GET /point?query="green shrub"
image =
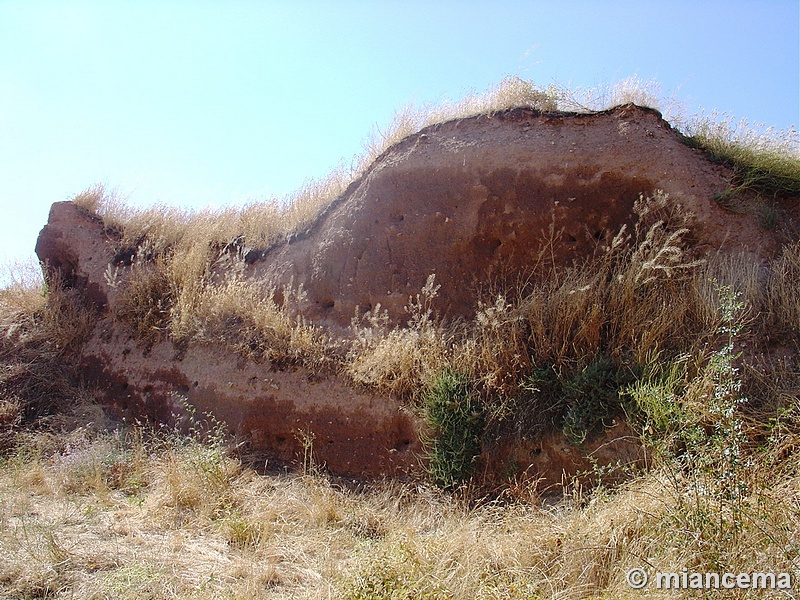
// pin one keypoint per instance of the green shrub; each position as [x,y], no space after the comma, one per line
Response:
[578,402]
[654,400]
[456,421]
[592,396]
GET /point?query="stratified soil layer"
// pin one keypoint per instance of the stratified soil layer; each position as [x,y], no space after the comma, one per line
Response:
[478,202]
[474,201]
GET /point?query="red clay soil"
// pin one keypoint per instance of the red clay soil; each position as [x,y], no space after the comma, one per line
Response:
[351,433]
[471,201]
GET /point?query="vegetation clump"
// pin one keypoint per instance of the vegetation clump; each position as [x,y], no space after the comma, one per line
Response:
[455,418]
[766,161]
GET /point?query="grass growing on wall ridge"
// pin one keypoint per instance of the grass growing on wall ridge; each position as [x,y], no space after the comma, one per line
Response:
[558,353]
[532,355]
[765,159]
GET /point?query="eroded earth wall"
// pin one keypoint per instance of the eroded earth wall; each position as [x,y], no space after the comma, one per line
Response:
[475,201]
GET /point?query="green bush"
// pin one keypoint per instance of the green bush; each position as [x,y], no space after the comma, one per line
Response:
[578,402]
[655,403]
[592,396]
[456,421]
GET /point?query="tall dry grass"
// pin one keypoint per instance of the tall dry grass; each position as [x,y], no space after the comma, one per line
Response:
[783,295]
[764,159]
[40,333]
[138,514]
[400,361]
[247,318]
[642,298]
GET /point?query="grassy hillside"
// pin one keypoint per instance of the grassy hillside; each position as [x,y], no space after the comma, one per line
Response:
[702,357]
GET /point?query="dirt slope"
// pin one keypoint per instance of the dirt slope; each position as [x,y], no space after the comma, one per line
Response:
[473,200]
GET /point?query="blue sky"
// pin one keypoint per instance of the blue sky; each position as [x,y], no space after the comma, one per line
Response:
[213,103]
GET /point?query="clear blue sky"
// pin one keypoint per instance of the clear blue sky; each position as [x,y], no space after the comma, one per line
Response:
[211,103]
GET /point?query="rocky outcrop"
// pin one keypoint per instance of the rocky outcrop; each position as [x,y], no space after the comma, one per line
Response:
[76,247]
[476,202]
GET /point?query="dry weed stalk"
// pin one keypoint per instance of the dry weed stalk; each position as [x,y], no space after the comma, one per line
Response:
[783,292]
[402,360]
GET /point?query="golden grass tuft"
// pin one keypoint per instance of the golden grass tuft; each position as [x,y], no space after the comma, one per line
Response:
[400,361]
[247,318]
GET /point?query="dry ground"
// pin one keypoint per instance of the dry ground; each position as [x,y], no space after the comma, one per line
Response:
[88,513]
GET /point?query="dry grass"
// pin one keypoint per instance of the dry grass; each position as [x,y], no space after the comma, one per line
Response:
[783,295]
[39,334]
[264,223]
[764,159]
[96,513]
[642,299]
[248,319]
[134,514]
[400,361]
